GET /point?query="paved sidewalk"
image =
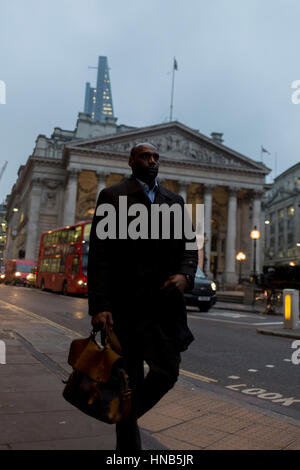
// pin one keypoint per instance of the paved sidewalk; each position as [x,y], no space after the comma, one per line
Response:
[280,331]
[34,414]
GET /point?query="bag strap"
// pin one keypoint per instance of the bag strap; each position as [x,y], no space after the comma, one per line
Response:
[104,335]
[108,336]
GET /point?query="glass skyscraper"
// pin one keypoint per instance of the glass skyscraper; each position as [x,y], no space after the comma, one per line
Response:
[98,101]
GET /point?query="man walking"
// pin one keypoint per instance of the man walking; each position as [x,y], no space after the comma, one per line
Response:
[136,286]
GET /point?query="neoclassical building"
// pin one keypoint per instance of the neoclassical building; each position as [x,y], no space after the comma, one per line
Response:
[60,182]
[282,208]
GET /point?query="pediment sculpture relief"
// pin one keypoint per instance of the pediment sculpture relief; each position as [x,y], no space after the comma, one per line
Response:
[180,148]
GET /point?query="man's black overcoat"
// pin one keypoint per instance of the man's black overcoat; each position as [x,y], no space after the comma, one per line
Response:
[125,277]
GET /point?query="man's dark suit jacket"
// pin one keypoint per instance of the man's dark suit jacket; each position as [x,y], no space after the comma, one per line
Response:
[126,276]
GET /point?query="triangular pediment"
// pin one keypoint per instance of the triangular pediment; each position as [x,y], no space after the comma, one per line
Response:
[279,194]
[176,142]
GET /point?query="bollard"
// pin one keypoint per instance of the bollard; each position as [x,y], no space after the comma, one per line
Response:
[291,308]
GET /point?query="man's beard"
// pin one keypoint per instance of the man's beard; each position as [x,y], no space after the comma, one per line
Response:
[146,174]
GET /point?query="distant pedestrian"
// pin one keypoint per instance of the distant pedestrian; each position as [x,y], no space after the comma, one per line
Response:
[271,294]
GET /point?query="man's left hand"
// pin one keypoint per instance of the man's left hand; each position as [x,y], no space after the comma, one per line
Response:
[177,281]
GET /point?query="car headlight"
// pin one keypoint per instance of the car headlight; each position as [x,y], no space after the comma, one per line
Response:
[2,276]
[17,274]
[29,276]
[213,286]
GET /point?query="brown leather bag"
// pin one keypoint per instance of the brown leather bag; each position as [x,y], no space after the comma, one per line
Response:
[98,385]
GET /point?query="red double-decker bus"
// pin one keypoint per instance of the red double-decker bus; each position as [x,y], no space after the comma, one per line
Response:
[63,258]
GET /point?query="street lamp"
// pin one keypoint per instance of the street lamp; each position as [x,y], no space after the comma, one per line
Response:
[255,235]
[240,257]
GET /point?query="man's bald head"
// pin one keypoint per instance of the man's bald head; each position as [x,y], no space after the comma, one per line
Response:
[137,147]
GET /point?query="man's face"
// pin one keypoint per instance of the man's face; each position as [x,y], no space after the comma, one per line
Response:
[145,163]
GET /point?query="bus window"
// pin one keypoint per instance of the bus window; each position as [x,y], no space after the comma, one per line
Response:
[64,236]
[87,231]
[45,265]
[45,241]
[77,235]
[71,235]
[55,238]
[62,264]
[75,265]
[55,265]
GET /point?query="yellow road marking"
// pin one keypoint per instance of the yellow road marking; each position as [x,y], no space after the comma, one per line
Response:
[196,376]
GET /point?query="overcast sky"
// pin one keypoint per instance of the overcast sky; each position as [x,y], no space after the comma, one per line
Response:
[236,63]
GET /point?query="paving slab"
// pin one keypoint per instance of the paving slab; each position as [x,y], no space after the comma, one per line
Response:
[44,383]
[33,401]
[47,426]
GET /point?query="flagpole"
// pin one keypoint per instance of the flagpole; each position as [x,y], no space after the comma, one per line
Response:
[172,93]
[261,154]
[275,164]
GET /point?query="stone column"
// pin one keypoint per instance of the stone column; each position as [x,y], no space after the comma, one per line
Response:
[32,242]
[102,177]
[276,234]
[70,197]
[183,189]
[208,189]
[230,274]
[246,224]
[263,233]
[285,232]
[256,221]
[12,225]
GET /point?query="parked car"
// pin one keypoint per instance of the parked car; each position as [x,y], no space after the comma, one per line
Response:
[30,280]
[16,271]
[203,295]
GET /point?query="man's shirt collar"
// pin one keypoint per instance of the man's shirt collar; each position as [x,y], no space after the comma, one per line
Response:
[146,186]
[150,192]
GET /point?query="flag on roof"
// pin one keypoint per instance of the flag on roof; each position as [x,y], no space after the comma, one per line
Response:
[264,150]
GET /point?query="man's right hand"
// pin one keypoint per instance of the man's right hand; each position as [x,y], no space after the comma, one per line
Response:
[101,319]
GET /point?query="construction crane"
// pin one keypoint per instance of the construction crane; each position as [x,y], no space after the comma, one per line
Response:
[3,169]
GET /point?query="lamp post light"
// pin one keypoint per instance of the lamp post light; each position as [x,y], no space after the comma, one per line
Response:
[255,235]
[240,257]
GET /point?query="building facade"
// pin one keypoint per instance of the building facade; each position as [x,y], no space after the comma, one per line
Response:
[98,101]
[2,232]
[282,207]
[60,182]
